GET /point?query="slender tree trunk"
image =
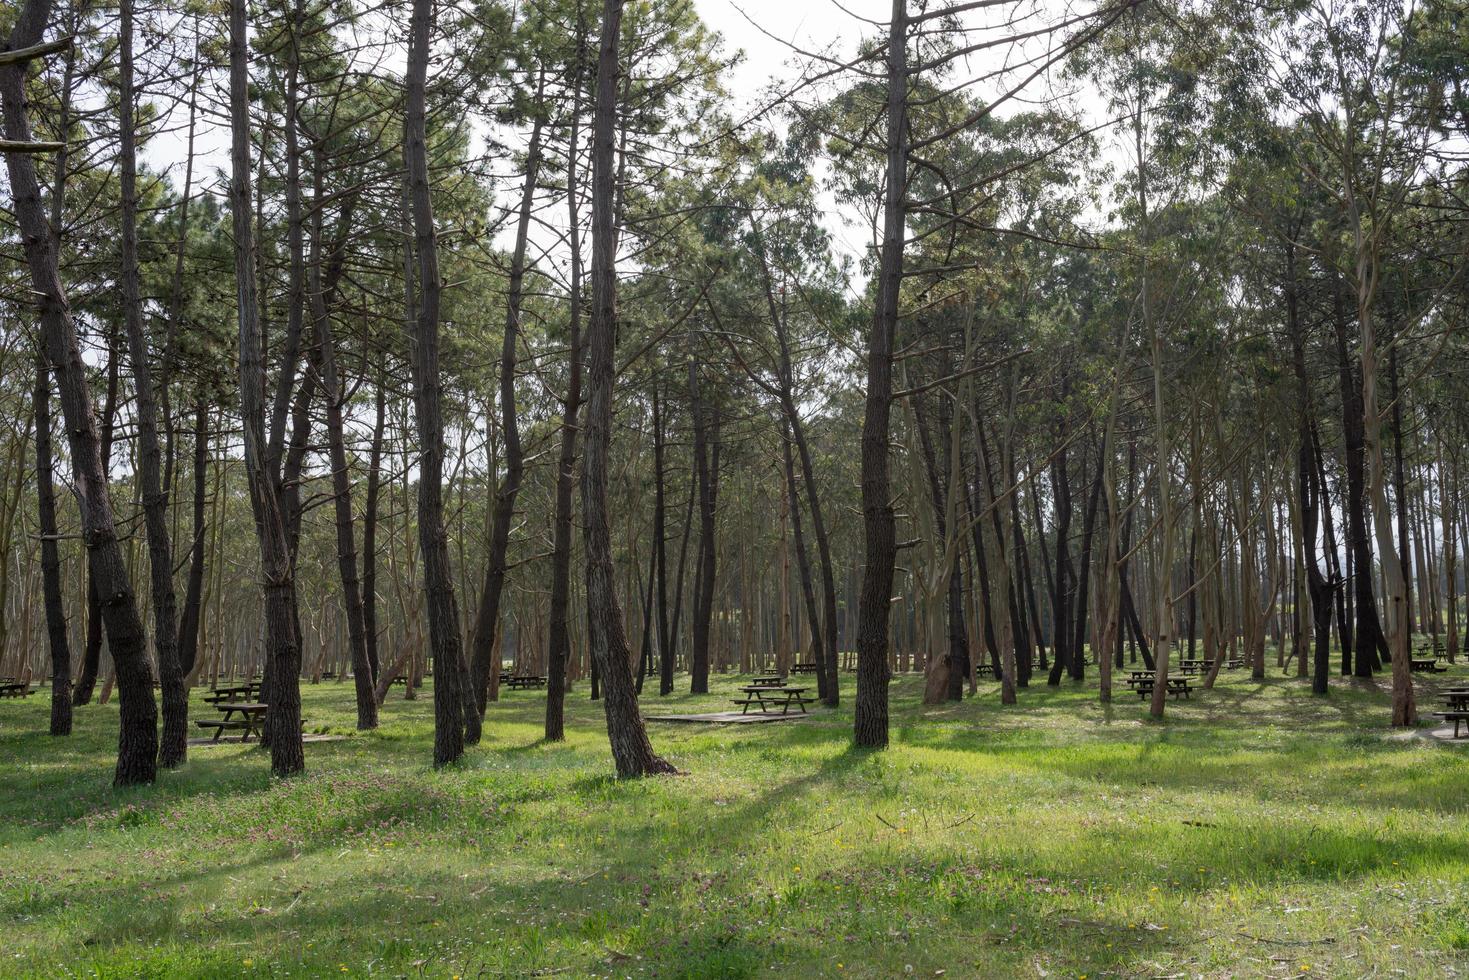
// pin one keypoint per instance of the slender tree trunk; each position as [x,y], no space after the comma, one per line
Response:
[632,753]
[323,287]
[704,590]
[870,719]
[369,531]
[484,674]
[58,644]
[558,657]
[443,611]
[191,614]
[283,650]
[173,747]
[1368,644]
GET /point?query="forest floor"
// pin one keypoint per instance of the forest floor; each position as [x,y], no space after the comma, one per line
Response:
[1258,832]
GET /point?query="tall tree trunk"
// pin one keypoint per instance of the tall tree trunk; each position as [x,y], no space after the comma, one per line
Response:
[660,548]
[138,715]
[59,646]
[870,719]
[708,491]
[484,674]
[173,748]
[1368,644]
[632,753]
[283,649]
[92,648]
[369,531]
[324,356]
[558,656]
[438,580]
[826,652]
[1312,494]
[191,615]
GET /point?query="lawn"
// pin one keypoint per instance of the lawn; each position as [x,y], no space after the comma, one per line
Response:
[1258,832]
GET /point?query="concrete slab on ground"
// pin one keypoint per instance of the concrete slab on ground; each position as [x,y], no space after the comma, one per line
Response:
[728,718]
[195,743]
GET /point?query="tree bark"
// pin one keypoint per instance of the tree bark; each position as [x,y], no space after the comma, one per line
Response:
[870,719]
[484,674]
[558,656]
[283,650]
[438,581]
[58,644]
[632,753]
[173,748]
[138,731]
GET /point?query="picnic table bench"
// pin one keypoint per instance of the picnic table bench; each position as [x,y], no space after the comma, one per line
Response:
[1177,686]
[985,670]
[1458,713]
[765,696]
[252,715]
[15,689]
[251,719]
[521,682]
[803,668]
[770,680]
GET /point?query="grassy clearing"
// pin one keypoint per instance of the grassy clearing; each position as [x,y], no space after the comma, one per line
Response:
[1259,832]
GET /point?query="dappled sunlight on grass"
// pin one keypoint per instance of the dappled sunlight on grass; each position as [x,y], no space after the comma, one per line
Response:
[1062,837]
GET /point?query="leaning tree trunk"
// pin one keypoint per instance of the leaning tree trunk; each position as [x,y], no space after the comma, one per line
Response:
[438,580]
[282,650]
[870,720]
[333,394]
[631,751]
[138,714]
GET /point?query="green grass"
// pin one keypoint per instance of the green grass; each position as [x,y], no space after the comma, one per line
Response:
[1258,832]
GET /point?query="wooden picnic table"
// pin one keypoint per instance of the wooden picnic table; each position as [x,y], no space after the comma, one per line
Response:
[521,682]
[765,697]
[252,716]
[803,668]
[1456,705]
[10,688]
[1177,686]
[233,692]
[771,680]
[1428,665]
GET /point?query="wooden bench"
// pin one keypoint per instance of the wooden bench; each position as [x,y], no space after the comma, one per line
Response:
[1177,686]
[1459,718]
[803,668]
[769,697]
[15,689]
[1425,665]
[219,725]
[763,703]
[525,682]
